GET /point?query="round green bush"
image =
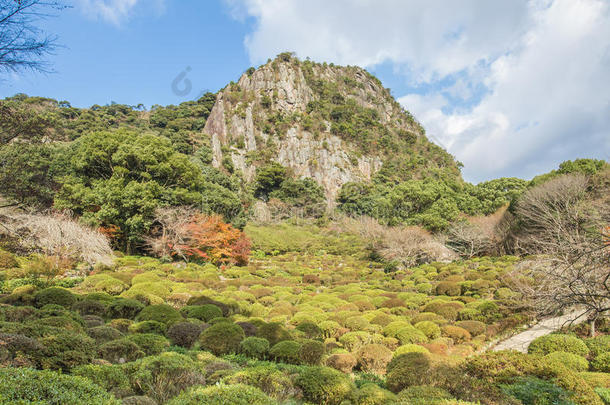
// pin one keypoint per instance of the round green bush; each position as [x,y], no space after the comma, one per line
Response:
[150,343]
[286,351]
[205,312]
[311,330]
[475,328]
[410,348]
[558,342]
[89,307]
[103,334]
[254,347]
[148,327]
[343,362]
[184,334]
[311,352]
[120,351]
[407,370]
[54,295]
[124,308]
[274,332]
[448,288]
[222,338]
[570,360]
[373,358]
[110,377]
[238,394]
[411,335]
[161,313]
[423,394]
[323,385]
[372,394]
[598,345]
[26,386]
[429,328]
[66,350]
[268,379]
[602,363]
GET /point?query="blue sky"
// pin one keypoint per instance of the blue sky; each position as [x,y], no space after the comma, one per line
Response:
[510,87]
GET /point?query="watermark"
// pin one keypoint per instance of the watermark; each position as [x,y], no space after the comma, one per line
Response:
[182,86]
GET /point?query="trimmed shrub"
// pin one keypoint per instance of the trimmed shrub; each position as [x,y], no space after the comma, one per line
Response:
[54,295]
[372,394]
[150,343]
[254,347]
[148,327]
[161,313]
[595,379]
[268,379]
[411,335]
[311,330]
[205,312]
[184,334]
[249,328]
[424,395]
[475,328]
[429,328]
[311,352]
[27,386]
[124,308]
[120,351]
[601,363]
[323,385]
[238,394]
[89,307]
[501,365]
[163,376]
[410,348]
[373,358]
[407,370]
[598,345]
[448,288]
[7,260]
[222,338]
[343,362]
[112,378]
[558,342]
[66,350]
[534,391]
[23,348]
[286,351]
[457,334]
[570,360]
[103,334]
[274,332]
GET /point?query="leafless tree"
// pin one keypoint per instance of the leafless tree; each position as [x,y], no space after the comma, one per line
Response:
[22,44]
[170,231]
[557,221]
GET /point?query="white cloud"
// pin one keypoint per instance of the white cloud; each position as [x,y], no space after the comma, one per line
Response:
[533,77]
[116,11]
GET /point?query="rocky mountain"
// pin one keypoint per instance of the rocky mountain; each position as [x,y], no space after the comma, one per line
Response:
[331,123]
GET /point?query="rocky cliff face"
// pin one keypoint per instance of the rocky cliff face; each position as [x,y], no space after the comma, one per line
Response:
[333,124]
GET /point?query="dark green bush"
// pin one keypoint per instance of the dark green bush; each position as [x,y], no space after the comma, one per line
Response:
[89,307]
[120,351]
[286,351]
[237,394]
[557,342]
[149,343]
[160,313]
[103,334]
[254,347]
[323,385]
[475,328]
[204,312]
[311,352]
[249,328]
[125,308]
[274,332]
[184,334]
[112,378]
[158,328]
[534,391]
[269,379]
[423,395]
[372,394]
[66,350]
[54,295]
[15,346]
[408,369]
[222,338]
[25,386]
[311,330]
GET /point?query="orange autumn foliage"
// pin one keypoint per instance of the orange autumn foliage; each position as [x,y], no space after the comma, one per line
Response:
[211,239]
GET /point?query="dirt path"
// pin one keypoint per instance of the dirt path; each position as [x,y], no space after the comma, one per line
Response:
[521,341]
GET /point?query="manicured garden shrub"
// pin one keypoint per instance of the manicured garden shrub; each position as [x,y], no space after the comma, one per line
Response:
[184,334]
[596,379]
[54,295]
[268,379]
[372,394]
[120,351]
[533,391]
[238,394]
[601,363]
[407,370]
[103,334]
[475,328]
[254,347]
[64,323]
[286,351]
[204,312]
[311,330]
[430,329]
[66,350]
[161,313]
[311,352]
[444,309]
[7,260]
[274,332]
[343,362]
[148,327]
[411,335]
[457,334]
[27,386]
[410,348]
[163,376]
[125,308]
[112,378]
[448,288]
[222,338]
[249,328]
[501,365]
[373,358]
[423,395]
[323,385]
[570,360]
[557,342]
[150,343]
[121,324]
[19,347]
[89,307]
[598,345]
